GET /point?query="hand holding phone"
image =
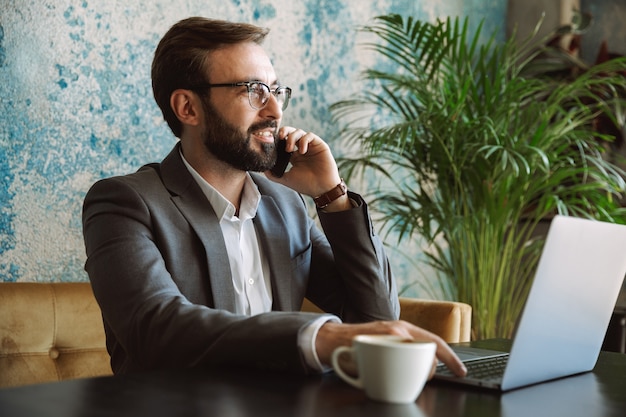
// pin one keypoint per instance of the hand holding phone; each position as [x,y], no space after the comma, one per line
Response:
[282,159]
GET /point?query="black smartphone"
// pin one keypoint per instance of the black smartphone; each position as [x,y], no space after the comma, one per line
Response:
[282,160]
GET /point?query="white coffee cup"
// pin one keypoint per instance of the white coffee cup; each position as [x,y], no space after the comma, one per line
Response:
[390,368]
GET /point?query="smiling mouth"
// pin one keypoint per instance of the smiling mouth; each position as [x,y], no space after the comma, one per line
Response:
[265,131]
[265,136]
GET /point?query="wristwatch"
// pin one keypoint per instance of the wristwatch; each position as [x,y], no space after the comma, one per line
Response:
[325,199]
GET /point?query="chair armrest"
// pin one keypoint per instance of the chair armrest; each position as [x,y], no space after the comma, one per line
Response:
[451,320]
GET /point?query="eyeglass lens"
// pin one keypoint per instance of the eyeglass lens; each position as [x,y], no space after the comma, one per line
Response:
[259,94]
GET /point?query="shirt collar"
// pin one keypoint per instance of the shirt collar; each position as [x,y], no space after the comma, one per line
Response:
[223,208]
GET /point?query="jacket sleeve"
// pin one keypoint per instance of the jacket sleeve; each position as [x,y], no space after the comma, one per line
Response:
[366,289]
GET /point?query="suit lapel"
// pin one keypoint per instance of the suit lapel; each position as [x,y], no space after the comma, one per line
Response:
[269,223]
[271,228]
[192,203]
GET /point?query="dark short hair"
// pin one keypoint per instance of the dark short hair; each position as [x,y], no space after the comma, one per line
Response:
[182,56]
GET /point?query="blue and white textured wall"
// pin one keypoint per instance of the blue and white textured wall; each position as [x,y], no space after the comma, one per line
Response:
[76,103]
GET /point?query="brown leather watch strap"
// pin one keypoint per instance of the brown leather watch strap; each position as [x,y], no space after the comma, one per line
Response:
[330,196]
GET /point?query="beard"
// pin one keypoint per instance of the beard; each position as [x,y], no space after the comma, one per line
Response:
[230,145]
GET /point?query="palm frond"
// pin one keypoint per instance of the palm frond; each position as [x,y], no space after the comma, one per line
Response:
[472,149]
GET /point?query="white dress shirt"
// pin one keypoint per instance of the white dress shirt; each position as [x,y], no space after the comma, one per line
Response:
[253,287]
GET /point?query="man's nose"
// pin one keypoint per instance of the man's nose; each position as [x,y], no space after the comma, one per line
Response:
[273,107]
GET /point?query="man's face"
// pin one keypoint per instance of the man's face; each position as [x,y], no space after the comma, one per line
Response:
[233,131]
[233,145]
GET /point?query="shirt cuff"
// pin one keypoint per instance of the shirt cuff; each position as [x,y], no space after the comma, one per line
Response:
[306,342]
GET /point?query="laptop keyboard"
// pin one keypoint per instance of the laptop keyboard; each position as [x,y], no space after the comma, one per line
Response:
[487,368]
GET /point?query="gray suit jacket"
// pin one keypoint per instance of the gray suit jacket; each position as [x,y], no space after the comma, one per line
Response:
[159,269]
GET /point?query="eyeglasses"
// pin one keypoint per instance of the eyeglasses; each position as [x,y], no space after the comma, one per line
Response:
[258,92]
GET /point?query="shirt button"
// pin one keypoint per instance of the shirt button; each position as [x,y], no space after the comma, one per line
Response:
[251,281]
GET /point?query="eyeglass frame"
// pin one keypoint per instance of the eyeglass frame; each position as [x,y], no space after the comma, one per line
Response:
[247,84]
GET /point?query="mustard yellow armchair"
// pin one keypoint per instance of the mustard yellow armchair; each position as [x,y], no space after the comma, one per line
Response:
[53,331]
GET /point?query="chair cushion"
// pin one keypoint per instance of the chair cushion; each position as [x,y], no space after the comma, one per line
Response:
[50,332]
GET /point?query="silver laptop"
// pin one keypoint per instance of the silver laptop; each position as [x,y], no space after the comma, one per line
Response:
[568,309]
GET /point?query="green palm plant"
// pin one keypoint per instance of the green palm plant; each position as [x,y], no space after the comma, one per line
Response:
[470,155]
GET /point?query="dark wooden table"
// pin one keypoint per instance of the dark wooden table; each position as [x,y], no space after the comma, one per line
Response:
[197,393]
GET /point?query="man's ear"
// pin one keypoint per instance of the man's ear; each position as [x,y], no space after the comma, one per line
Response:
[186,107]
